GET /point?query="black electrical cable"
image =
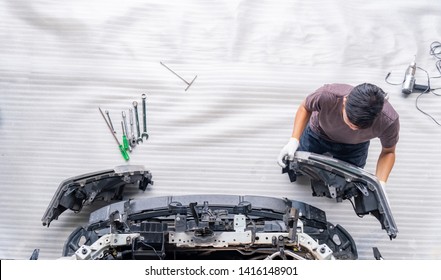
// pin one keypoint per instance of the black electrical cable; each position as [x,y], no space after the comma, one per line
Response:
[435,50]
[355,209]
[253,231]
[394,84]
[426,91]
[145,244]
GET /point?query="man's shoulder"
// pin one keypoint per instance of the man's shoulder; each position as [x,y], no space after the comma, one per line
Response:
[388,125]
[389,112]
[327,96]
[336,89]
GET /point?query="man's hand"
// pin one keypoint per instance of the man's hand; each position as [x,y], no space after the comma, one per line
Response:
[288,151]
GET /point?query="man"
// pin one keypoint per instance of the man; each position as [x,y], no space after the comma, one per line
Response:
[340,119]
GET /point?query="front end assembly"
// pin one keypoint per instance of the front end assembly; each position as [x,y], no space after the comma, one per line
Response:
[105,185]
[209,227]
[339,180]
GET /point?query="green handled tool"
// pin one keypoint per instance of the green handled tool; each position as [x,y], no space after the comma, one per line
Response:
[125,140]
[121,147]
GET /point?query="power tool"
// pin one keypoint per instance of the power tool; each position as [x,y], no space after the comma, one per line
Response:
[409,84]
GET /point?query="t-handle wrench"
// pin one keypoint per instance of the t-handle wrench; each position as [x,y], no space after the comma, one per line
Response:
[188,83]
[144,115]
[135,106]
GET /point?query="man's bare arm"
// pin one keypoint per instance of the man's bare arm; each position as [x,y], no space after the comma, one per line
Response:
[385,163]
[300,121]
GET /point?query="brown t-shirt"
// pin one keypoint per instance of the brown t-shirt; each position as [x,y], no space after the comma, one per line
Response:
[326,105]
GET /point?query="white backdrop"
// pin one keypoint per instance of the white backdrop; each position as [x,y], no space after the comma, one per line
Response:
[254,60]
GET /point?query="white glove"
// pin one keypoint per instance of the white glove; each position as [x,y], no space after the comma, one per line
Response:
[288,151]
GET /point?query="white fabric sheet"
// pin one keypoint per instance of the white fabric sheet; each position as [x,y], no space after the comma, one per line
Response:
[254,60]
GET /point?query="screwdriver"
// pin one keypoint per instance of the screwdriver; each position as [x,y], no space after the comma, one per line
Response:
[121,147]
[125,140]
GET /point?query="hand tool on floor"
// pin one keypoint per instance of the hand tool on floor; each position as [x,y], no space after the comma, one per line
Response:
[121,147]
[110,121]
[144,116]
[139,138]
[188,83]
[125,127]
[132,129]
[409,84]
[125,140]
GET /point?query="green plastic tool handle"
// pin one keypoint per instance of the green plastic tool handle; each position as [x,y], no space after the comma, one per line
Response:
[126,143]
[124,152]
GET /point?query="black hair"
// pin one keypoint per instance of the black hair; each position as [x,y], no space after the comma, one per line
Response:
[363,104]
